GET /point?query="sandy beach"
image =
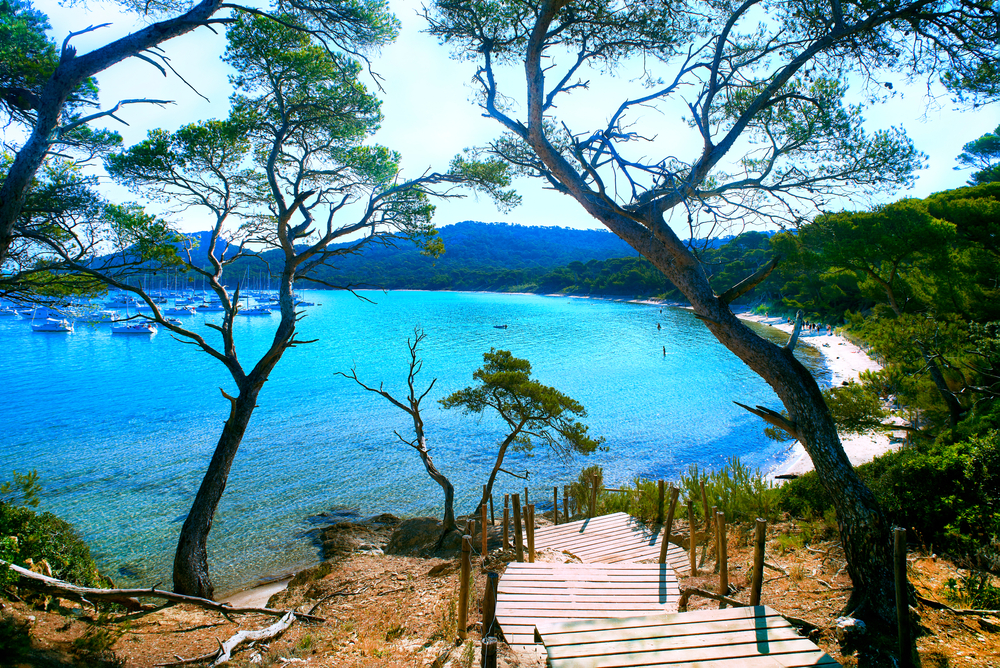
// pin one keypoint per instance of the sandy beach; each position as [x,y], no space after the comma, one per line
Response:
[846,362]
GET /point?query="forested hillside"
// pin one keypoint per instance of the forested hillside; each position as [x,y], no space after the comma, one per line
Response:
[477,256]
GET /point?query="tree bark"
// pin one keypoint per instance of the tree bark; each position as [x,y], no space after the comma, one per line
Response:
[864,528]
[67,77]
[191,575]
[448,522]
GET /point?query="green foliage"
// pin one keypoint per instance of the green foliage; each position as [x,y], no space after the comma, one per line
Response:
[581,490]
[856,408]
[25,534]
[535,413]
[975,590]
[982,154]
[22,491]
[948,492]
[741,493]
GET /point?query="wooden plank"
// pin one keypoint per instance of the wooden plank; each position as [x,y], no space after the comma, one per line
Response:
[753,637]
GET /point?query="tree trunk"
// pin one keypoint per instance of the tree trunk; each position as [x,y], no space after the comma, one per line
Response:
[448,522]
[191,559]
[864,529]
[496,469]
[68,75]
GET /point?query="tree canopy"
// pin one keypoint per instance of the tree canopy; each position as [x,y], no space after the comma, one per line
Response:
[983,155]
[533,413]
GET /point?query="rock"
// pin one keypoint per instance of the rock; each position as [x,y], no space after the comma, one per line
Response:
[418,537]
[849,632]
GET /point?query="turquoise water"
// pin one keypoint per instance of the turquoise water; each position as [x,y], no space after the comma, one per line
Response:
[121,428]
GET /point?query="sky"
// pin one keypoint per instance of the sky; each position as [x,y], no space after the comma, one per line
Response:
[431,115]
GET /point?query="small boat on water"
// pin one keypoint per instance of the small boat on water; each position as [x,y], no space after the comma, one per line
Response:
[499,326]
[100,315]
[209,307]
[255,310]
[133,328]
[180,310]
[53,325]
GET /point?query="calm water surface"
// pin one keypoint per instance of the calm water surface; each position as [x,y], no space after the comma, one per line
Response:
[121,428]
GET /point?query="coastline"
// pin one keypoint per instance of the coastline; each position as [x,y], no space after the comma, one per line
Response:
[845,362]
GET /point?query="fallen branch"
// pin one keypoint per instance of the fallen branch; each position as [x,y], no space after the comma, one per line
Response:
[224,653]
[775,568]
[129,597]
[687,593]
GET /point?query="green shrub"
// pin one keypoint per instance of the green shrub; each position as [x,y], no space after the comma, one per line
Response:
[976,590]
[26,534]
[581,489]
[948,492]
[741,493]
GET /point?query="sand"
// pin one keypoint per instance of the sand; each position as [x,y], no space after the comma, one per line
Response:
[846,362]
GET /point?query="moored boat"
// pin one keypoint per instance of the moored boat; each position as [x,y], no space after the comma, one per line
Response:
[53,325]
[133,328]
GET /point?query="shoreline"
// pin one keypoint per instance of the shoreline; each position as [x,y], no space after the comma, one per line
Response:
[845,361]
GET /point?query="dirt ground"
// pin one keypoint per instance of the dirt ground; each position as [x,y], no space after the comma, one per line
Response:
[383,610]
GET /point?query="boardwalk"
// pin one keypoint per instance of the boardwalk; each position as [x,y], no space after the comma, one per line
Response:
[752,637]
[533,593]
[609,539]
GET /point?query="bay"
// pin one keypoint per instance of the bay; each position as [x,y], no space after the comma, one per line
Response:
[121,428]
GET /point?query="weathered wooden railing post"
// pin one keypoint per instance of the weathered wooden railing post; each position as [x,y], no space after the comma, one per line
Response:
[531,533]
[518,537]
[692,539]
[485,525]
[525,495]
[555,505]
[709,519]
[902,596]
[463,588]
[470,529]
[493,517]
[757,577]
[489,657]
[669,525]
[713,530]
[593,497]
[566,503]
[506,521]
[723,552]
[661,486]
[490,604]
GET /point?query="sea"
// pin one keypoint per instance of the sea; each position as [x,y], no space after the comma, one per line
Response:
[121,428]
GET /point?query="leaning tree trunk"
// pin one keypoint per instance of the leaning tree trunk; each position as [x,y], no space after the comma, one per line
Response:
[488,492]
[448,522]
[864,529]
[191,559]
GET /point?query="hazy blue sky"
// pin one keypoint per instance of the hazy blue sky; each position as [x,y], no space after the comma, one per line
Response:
[430,114]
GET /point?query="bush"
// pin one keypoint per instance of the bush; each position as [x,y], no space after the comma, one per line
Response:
[741,493]
[26,534]
[948,492]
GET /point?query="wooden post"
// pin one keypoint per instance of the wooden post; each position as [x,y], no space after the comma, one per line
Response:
[518,538]
[470,529]
[525,495]
[714,531]
[709,519]
[661,488]
[692,539]
[506,523]
[902,595]
[720,525]
[490,604]
[757,577]
[463,588]
[530,508]
[489,656]
[593,497]
[566,503]
[555,505]
[493,518]
[669,525]
[485,537]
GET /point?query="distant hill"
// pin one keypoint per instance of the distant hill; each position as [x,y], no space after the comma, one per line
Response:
[478,256]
